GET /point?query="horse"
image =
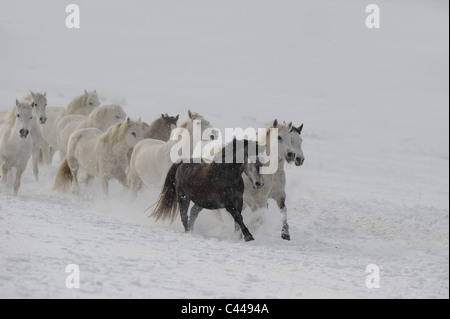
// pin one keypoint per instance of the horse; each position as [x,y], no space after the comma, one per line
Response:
[150,160]
[275,184]
[15,144]
[209,186]
[100,154]
[39,103]
[101,118]
[160,129]
[83,104]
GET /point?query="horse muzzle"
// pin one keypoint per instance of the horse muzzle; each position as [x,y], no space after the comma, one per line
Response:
[290,157]
[299,161]
[24,133]
[43,120]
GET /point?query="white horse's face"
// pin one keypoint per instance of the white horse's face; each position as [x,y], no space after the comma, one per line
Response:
[134,134]
[115,114]
[297,145]
[208,132]
[92,99]
[39,105]
[119,114]
[285,148]
[24,116]
[200,124]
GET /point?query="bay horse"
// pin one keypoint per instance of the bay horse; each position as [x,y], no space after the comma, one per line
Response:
[210,186]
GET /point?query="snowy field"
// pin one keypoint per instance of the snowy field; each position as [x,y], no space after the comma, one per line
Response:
[374,188]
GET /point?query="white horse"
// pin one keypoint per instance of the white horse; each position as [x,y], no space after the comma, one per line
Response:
[289,150]
[297,142]
[150,161]
[103,155]
[101,118]
[15,143]
[83,105]
[39,103]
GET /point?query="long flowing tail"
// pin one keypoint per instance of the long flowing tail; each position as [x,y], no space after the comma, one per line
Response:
[63,178]
[167,207]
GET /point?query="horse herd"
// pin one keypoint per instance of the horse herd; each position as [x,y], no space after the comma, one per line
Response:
[106,144]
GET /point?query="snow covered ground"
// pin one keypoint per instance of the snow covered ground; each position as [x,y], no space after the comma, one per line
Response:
[374,188]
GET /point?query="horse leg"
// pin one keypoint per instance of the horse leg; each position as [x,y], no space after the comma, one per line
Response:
[19,171]
[136,185]
[237,216]
[45,148]
[51,153]
[73,165]
[104,184]
[5,170]
[184,208]
[194,214]
[285,230]
[36,152]
[123,179]
[87,178]
[238,231]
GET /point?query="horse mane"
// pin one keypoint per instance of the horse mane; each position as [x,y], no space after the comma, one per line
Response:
[116,133]
[156,124]
[194,116]
[101,111]
[280,125]
[76,103]
[10,117]
[232,147]
[37,97]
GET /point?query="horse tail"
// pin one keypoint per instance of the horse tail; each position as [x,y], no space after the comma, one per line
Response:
[167,205]
[63,178]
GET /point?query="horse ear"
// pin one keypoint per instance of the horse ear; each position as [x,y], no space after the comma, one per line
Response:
[86,92]
[45,94]
[275,123]
[177,118]
[32,94]
[290,127]
[128,120]
[300,128]
[190,114]
[162,116]
[17,103]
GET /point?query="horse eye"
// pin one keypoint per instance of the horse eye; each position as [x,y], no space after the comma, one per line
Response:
[31,118]
[280,138]
[134,134]
[18,115]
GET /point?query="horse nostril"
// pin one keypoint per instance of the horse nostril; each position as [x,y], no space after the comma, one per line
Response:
[212,137]
[258,184]
[23,133]
[291,155]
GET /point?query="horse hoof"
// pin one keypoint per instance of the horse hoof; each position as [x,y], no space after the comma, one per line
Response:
[286,236]
[249,238]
